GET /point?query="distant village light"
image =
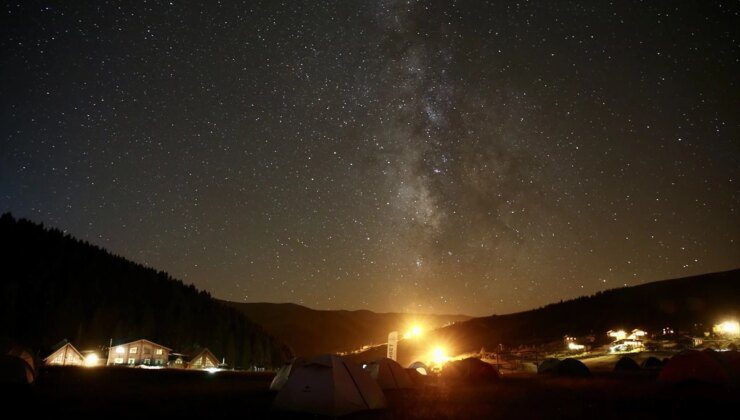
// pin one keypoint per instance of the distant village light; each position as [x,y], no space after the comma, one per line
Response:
[617,335]
[727,328]
[637,334]
[575,346]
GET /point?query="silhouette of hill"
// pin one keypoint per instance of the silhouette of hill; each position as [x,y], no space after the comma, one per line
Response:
[690,304]
[55,286]
[310,332]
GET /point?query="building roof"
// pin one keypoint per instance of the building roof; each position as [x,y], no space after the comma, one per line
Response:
[142,339]
[67,345]
[205,352]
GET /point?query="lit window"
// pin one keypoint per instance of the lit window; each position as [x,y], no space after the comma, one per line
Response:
[132,350]
[158,351]
[147,361]
[131,361]
[120,350]
[119,360]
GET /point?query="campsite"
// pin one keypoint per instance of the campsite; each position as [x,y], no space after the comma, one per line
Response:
[549,362]
[130,392]
[370,209]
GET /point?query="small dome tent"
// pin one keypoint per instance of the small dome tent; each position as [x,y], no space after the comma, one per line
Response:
[329,385]
[652,363]
[389,374]
[420,367]
[416,377]
[572,368]
[470,369]
[696,366]
[626,364]
[548,365]
[282,375]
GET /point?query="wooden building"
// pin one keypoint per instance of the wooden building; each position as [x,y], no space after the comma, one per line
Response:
[137,353]
[204,360]
[67,355]
[177,361]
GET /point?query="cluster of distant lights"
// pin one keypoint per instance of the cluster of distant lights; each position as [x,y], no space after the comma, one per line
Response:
[438,355]
[572,345]
[727,328]
[627,342]
[622,340]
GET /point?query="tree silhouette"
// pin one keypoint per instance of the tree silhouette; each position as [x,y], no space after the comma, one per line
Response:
[54,286]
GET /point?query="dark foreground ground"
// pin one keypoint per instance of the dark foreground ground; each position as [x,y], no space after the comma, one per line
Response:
[136,393]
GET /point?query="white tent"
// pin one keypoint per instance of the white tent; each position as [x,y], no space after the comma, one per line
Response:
[420,367]
[284,373]
[389,374]
[329,385]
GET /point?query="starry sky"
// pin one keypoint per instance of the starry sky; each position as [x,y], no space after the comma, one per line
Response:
[451,157]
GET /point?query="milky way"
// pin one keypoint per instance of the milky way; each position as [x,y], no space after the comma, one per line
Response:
[475,157]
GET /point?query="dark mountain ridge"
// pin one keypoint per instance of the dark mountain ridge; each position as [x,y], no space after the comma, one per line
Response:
[310,332]
[690,304]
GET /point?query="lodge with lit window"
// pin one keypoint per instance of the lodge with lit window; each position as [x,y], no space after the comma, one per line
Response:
[204,360]
[138,353]
[66,355]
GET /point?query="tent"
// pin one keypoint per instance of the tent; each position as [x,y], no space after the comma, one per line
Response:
[389,374]
[470,369]
[696,366]
[572,368]
[420,367]
[626,364]
[329,385]
[416,377]
[548,366]
[652,363]
[17,364]
[732,362]
[282,375]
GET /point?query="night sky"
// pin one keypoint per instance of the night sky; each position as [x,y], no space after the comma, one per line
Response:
[466,157]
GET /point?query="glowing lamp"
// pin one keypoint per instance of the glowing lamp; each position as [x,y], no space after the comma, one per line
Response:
[91,360]
[439,355]
[728,328]
[414,332]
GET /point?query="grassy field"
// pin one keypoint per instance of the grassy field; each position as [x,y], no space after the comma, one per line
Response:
[141,393]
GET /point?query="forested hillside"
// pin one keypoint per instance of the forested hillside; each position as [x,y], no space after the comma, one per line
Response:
[54,286]
[690,305]
[311,332]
